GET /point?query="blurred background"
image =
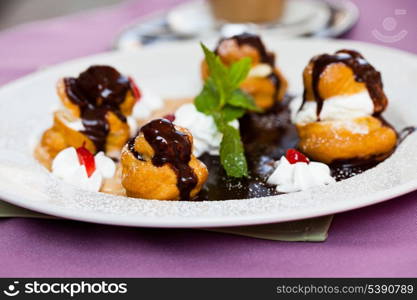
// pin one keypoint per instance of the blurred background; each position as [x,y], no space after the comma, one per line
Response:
[195,19]
[14,12]
[132,24]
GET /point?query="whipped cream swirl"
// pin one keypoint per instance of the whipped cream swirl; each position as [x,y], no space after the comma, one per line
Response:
[299,176]
[202,127]
[343,107]
[66,166]
[75,125]
[260,70]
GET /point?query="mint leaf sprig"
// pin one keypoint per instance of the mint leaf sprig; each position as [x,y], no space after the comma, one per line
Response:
[222,99]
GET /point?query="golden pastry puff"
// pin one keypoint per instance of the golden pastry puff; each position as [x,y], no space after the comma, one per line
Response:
[63,135]
[95,106]
[345,73]
[361,138]
[265,82]
[159,164]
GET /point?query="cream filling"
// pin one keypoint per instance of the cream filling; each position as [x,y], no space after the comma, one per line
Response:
[76,125]
[260,70]
[338,108]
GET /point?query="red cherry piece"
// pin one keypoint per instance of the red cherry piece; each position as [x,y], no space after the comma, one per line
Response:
[86,158]
[170,117]
[294,156]
[135,89]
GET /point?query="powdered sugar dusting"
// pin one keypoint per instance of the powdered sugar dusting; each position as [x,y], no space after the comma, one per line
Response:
[350,125]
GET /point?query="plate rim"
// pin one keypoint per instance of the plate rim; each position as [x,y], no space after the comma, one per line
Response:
[212,222]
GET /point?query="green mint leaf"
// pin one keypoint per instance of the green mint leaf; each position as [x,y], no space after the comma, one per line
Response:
[219,120]
[239,71]
[222,99]
[232,155]
[241,99]
[218,73]
[231,113]
[208,100]
[227,115]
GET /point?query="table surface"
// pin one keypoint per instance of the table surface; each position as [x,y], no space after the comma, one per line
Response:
[380,240]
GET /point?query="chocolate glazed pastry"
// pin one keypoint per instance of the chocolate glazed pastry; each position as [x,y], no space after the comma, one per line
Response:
[96,91]
[265,56]
[371,82]
[172,147]
[363,71]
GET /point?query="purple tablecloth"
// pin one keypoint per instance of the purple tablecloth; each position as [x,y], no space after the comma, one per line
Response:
[376,241]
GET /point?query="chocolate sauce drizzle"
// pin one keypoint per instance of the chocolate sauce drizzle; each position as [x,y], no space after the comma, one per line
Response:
[406,132]
[266,57]
[363,71]
[131,148]
[255,42]
[172,147]
[96,91]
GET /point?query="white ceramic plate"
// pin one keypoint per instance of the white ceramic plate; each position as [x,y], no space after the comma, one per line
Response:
[173,71]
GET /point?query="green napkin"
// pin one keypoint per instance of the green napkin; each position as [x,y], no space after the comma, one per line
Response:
[8,210]
[308,230]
